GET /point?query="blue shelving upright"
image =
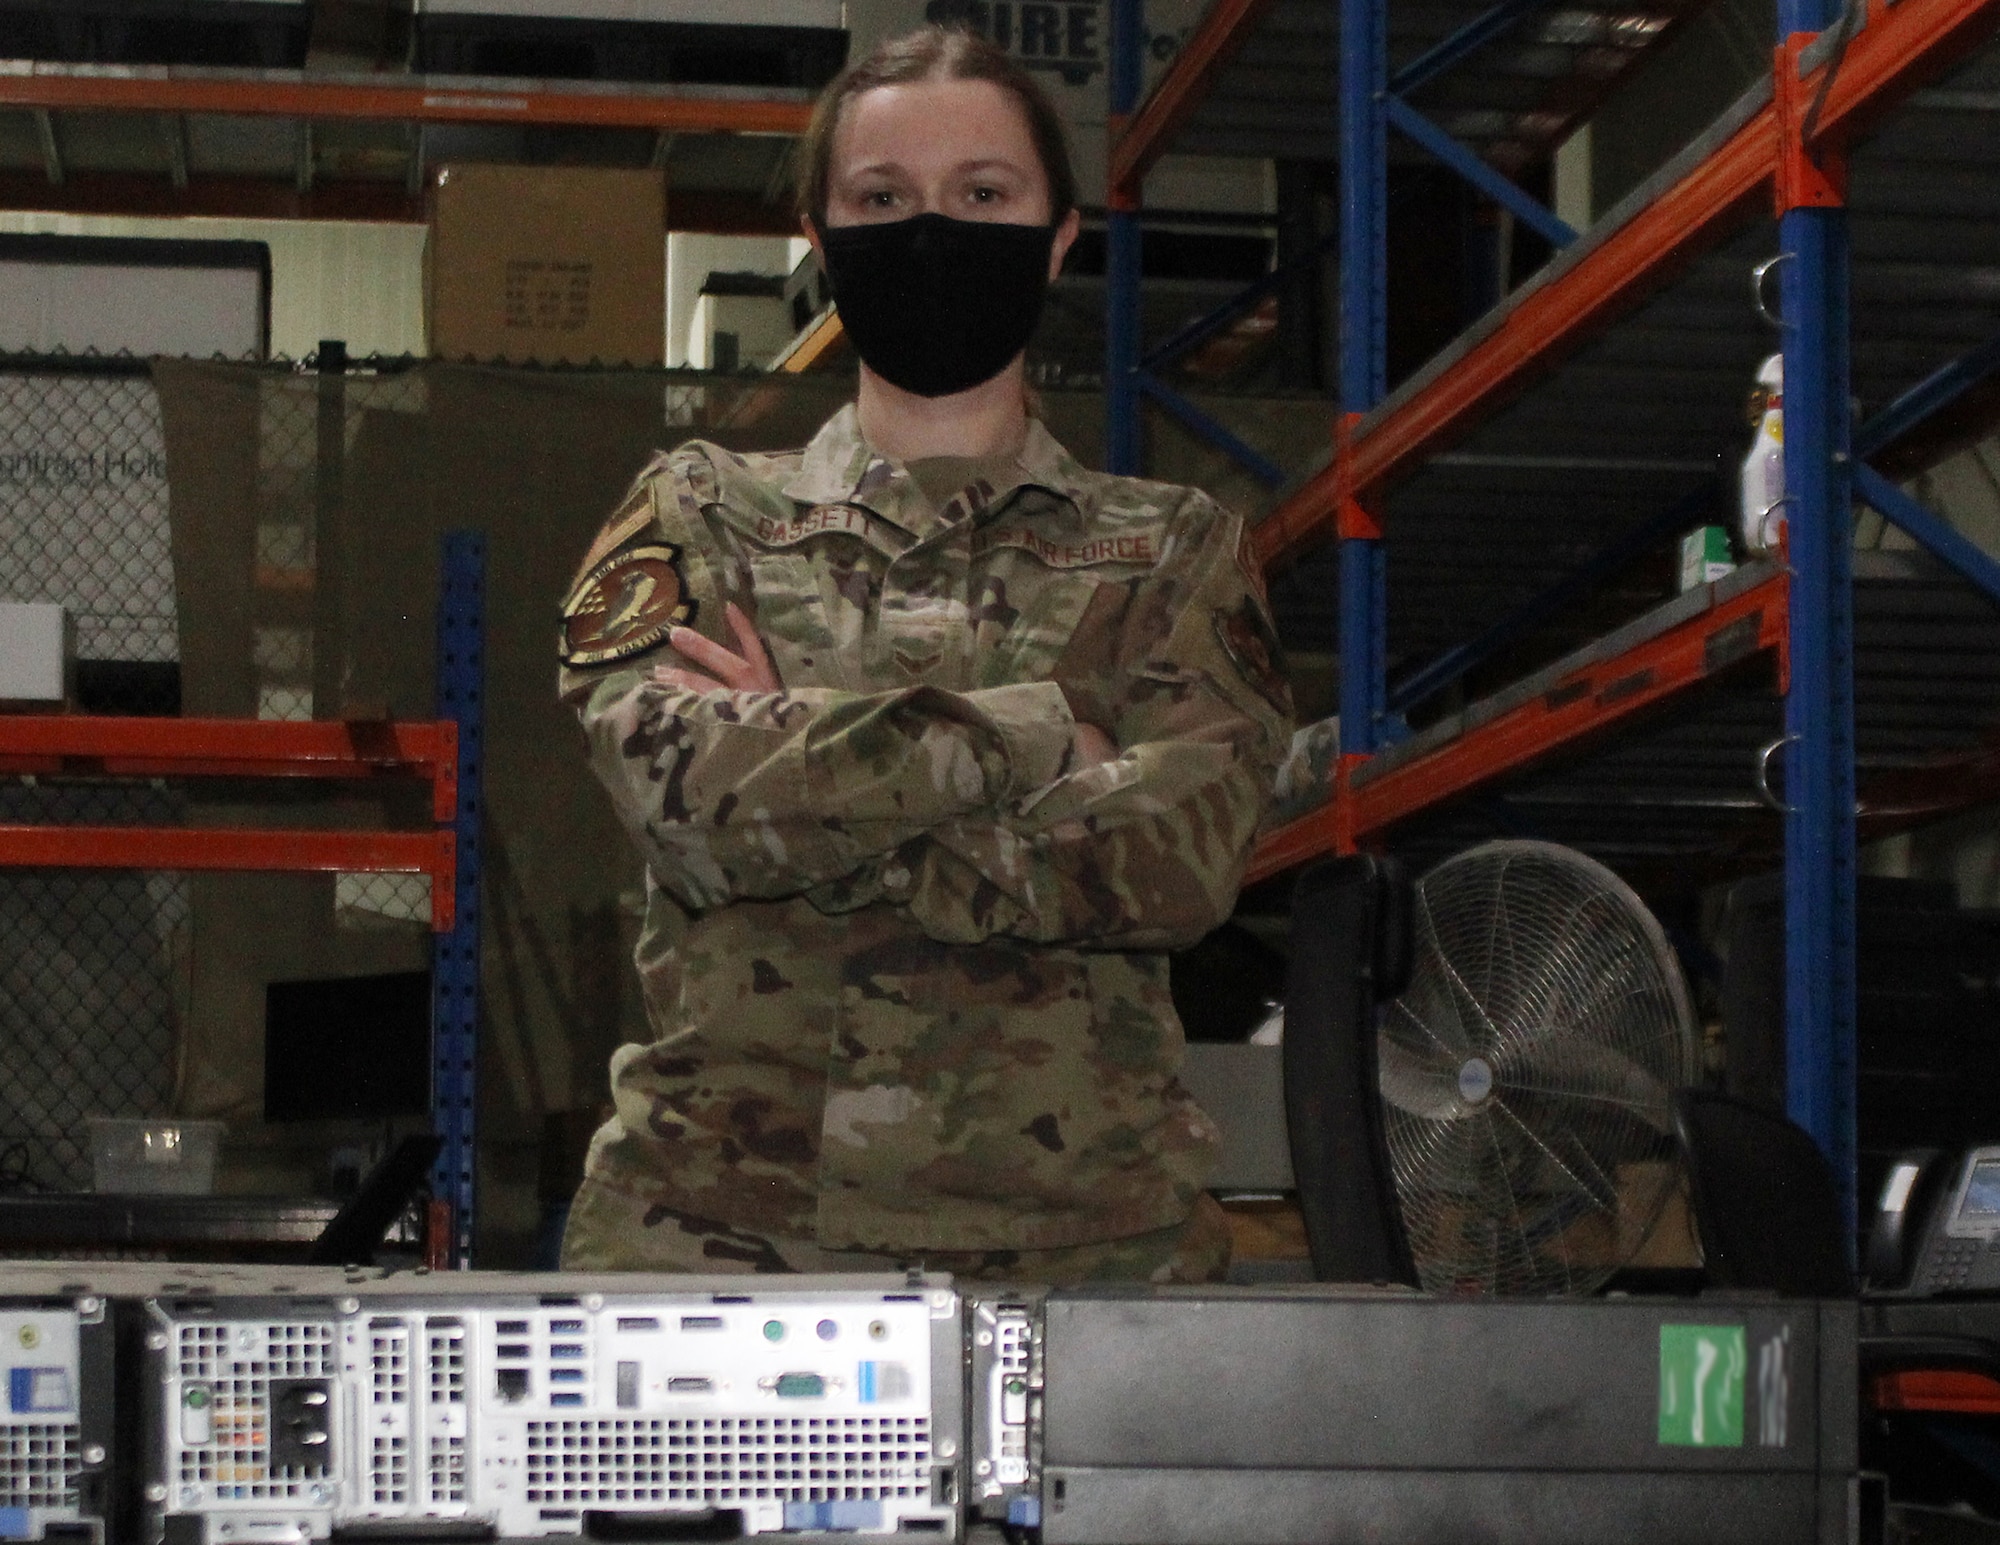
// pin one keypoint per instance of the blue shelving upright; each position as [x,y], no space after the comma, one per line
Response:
[460,688]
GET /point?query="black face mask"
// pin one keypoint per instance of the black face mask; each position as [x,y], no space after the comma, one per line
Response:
[936,305]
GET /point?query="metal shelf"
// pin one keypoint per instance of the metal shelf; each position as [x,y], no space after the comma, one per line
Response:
[176,89]
[287,143]
[1595,406]
[121,747]
[1697,201]
[1683,644]
[79,745]
[1641,747]
[1258,77]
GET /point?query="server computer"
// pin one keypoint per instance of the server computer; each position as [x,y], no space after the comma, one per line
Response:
[526,1407]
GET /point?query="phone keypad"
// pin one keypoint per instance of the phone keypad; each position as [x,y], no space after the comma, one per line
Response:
[1952,1265]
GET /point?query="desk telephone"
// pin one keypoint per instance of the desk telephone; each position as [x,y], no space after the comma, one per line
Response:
[1937,1225]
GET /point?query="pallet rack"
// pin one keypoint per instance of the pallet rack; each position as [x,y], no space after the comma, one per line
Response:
[445,753]
[286,143]
[1511,423]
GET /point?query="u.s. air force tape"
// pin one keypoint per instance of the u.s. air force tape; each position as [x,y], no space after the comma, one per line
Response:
[625,605]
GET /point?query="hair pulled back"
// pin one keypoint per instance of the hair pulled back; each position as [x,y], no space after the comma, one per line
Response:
[933,53]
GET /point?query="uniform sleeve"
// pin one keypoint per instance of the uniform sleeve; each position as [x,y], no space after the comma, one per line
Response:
[1146,851]
[733,795]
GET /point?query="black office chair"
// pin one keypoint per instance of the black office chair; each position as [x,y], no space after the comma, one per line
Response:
[1351,952]
[1765,1205]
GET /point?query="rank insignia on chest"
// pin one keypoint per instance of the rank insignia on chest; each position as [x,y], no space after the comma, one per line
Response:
[625,605]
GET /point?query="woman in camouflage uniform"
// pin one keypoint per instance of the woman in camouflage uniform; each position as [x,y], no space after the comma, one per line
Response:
[934,742]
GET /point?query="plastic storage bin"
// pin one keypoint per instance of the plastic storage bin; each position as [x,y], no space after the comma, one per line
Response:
[157,1157]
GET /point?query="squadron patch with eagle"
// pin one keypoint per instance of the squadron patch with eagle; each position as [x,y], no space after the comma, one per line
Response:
[625,605]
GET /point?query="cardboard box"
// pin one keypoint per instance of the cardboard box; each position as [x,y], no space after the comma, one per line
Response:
[546,264]
[1705,557]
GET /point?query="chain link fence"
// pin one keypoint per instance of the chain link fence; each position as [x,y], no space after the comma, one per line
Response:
[92,961]
[95,964]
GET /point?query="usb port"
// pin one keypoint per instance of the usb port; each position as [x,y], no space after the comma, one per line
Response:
[701,1322]
[690,1385]
[632,1324]
[565,1327]
[510,1327]
[566,1376]
[566,1400]
[511,1349]
[569,1349]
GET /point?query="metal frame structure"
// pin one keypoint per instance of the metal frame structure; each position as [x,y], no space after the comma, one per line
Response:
[461,693]
[45,746]
[174,89]
[311,105]
[1832,78]
[447,753]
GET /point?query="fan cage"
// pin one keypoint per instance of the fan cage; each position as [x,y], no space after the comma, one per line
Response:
[1527,1073]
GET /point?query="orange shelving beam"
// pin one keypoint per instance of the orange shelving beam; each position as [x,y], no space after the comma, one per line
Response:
[401,99]
[47,745]
[121,747]
[1580,704]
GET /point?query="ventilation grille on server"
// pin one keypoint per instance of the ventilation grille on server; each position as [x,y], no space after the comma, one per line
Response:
[728,1459]
[389,1362]
[447,1468]
[38,1465]
[238,1364]
[444,1356]
[389,1471]
[1014,1340]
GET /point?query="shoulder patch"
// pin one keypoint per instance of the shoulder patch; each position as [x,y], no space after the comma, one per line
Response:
[625,604]
[1251,643]
[634,518]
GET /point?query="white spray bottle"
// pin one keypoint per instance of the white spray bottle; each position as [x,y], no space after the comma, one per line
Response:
[1763,513]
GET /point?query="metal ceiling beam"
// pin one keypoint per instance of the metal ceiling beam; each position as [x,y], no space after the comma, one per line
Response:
[411,99]
[1616,268]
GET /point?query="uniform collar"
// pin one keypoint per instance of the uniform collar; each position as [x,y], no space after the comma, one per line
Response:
[839,467]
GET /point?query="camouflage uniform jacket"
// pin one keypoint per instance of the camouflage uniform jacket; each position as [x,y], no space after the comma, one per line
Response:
[904,964]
